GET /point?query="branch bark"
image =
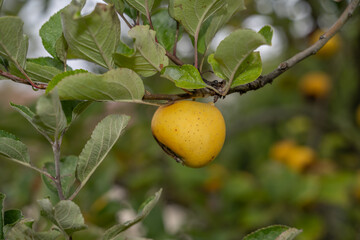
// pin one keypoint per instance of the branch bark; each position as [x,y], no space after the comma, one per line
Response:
[21,80]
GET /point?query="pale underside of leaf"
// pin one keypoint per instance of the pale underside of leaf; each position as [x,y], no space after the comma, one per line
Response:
[93,37]
[115,85]
[102,139]
[193,14]
[13,44]
[14,149]
[148,48]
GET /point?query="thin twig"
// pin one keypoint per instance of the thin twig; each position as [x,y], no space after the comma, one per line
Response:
[174,58]
[125,20]
[148,14]
[138,18]
[56,149]
[21,80]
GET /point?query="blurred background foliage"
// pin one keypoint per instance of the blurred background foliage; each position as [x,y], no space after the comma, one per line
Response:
[292,153]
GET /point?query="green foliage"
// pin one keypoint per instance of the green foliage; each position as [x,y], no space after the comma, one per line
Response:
[120,84]
[147,206]
[12,216]
[192,14]
[66,215]
[94,37]
[55,80]
[13,43]
[244,191]
[13,149]
[186,76]
[165,28]
[240,43]
[141,6]
[274,233]
[118,4]
[51,34]
[102,139]
[217,21]
[149,56]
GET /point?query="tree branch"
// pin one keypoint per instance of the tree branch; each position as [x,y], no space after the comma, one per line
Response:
[56,149]
[21,80]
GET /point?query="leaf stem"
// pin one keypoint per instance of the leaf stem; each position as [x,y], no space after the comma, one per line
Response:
[148,14]
[34,168]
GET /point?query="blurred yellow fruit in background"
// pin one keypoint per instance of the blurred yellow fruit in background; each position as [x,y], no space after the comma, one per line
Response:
[315,85]
[280,151]
[295,157]
[191,132]
[330,48]
[300,157]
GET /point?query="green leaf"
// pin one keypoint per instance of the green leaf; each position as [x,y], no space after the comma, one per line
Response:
[13,216]
[217,21]
[61,49]
[2,198]
[135,62]
[48,61]
[248,71]
[13,43]
[51,32]
[234,49]
[186,76]
[94,37]
[51,115]
[118,84]
[165,28]
[65,214]
[149,56]
[21,230]
[145,209]
[276,232]
[14,150]
[56,79]
[216,66]
[124,49]
[48,235]
[267,33]
[8,135]
[103,138]
[39,72]
[141,6]
[49,119]
[192,14]
[118,4]
[1,3]
[73,109]
[31,117]
[67,172]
